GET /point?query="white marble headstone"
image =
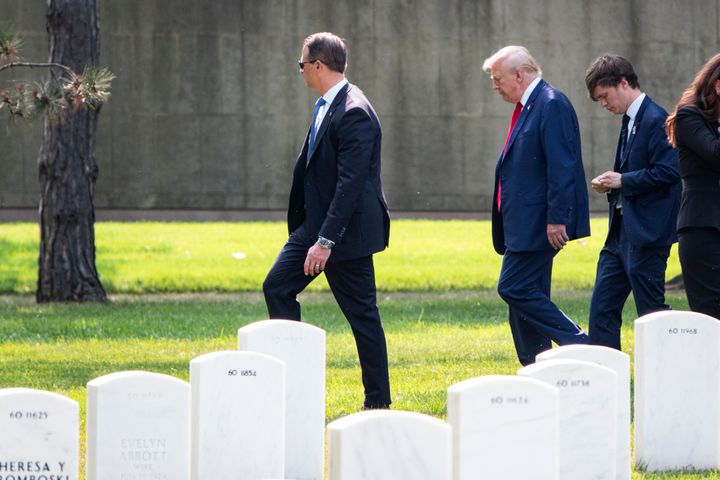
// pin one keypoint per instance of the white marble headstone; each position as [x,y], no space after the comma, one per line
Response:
[619,362]
[237,416]
[504,427]
[39,435]
[677,391]
[588,416]
[138,427]
[389,445]
[302,348]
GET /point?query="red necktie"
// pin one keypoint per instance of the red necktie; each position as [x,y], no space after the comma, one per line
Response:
[513,121]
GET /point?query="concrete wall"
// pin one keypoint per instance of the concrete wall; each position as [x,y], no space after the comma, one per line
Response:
[209,111]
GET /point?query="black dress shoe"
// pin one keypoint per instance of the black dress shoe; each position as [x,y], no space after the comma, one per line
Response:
[375,406]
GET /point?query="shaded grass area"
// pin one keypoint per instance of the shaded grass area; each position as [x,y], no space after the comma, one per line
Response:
[437,255]
[434,340]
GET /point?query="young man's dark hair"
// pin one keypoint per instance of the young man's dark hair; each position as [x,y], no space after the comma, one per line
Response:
[608,70]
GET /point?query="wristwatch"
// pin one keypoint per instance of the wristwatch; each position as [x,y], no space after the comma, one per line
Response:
[325,243]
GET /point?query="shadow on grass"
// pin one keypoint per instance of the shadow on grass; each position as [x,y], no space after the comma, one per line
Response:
[54,375]
[29,322]
[210,316]
[215,315]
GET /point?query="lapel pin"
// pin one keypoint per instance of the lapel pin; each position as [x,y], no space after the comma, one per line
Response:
[634,130]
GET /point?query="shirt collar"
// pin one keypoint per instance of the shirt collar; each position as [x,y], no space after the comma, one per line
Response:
[634,107]
[333,91]
[529,90]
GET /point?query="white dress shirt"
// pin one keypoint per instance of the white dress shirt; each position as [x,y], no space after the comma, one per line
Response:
[328,97]
[529,90]
[632,112]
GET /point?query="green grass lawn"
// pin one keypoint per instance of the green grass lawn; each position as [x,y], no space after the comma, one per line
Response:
[203,257]
[434,341]
[443,320]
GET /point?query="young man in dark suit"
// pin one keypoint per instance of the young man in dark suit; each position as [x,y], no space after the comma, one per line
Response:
[540,201]
[643,190]
[337,215]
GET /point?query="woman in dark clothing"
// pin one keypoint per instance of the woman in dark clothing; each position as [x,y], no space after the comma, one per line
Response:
[693,129]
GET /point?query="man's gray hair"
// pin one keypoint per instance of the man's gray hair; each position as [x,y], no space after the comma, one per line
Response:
[515,57]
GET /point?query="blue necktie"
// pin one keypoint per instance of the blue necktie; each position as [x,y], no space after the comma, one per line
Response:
[313,130]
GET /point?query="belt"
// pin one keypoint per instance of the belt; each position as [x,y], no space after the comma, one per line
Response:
[710,182]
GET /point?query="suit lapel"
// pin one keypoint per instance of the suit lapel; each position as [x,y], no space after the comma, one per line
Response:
[340,97]
[527,108]
[633,131]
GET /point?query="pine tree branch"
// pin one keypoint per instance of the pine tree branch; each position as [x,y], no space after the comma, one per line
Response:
[37,65]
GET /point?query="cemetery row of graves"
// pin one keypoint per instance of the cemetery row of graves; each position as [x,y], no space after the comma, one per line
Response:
[259,413]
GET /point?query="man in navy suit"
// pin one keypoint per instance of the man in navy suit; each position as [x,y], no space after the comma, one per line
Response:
[540,201]
[643,190]
[337,215]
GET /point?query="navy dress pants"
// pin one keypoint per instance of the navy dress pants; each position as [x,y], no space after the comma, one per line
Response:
[352,282]
[535,321]
[623,268]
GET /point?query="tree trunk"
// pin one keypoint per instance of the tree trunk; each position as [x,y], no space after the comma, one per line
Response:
[67,166]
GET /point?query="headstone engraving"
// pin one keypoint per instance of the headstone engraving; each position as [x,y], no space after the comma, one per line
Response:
[677,391]
[138,427]
[39,435]
[389,445]
[237,416]
[619,362]
[498,420]
[588,416]
[302,348]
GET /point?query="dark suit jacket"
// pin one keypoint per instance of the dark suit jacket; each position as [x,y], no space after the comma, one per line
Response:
[542,176]
[650,181]
[337,193]
[698,145]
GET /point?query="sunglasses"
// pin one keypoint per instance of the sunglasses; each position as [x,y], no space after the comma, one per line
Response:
[302,64]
